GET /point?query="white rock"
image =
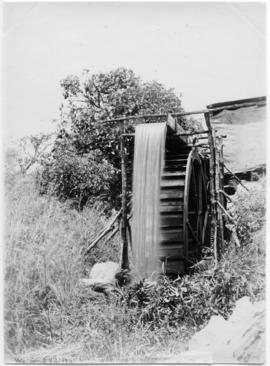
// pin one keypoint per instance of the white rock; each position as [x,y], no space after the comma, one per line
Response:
[238,339]
[102,274]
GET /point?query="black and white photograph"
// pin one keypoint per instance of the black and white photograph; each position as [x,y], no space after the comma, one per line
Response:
[134,144]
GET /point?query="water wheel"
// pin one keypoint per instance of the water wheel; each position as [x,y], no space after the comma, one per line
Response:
[183,209]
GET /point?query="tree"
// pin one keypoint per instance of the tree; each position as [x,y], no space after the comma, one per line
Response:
[32,149]
[27,151]
[91,100]
[106,96]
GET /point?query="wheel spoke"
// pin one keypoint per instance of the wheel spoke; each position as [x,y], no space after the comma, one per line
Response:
[197,222]
[195,237]
[195,183]
[204,226]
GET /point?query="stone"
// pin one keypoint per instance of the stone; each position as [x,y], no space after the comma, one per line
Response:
[238,339]
[102,274]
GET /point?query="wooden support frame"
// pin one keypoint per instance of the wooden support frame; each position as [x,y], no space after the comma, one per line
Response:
[220,197]
[216,176]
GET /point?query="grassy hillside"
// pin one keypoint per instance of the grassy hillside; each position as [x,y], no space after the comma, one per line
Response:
[50,318]
[44,244]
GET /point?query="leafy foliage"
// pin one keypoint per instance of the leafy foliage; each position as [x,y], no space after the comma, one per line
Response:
[106,96]
[251,211]
[192,299]
[79,177]
[88,102]
[24,153]
[32,149]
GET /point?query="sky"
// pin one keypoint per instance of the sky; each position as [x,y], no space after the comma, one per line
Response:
[208,52]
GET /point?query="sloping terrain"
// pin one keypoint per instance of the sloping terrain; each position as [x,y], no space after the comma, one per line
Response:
[240,339]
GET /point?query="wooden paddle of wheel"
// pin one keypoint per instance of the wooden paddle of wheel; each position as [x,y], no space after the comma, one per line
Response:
[183,210]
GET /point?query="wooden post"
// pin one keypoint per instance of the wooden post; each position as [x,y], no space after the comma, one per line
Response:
[213,229]
[124,221]
[219,196]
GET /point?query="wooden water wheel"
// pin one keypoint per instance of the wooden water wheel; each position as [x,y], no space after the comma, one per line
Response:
[183,208]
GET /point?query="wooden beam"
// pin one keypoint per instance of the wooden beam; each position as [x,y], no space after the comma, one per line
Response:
[213,228]
[195,237]
[235,177]
[162,115]
[195,133]
[104,232]
[226,212]
[180,114]
[181,134]
[124,221]
[107,230]
[226,195]
[220,197]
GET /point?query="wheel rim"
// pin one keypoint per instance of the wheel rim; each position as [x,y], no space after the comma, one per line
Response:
[195,216]
[183,218]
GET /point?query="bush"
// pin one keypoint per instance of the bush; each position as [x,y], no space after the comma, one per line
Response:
[82,178]
[250,208]
[192,299]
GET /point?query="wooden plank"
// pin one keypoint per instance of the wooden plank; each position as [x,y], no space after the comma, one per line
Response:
[169,168]
[170,209]
[172,251]
[171,220]
[175,266]
[169,175]
[175,194]
[175,161]
[171,236]
[172,182]
[176,156]
[171,205]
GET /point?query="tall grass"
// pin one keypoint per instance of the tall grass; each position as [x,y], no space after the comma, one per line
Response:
[50,318]
[43,256]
